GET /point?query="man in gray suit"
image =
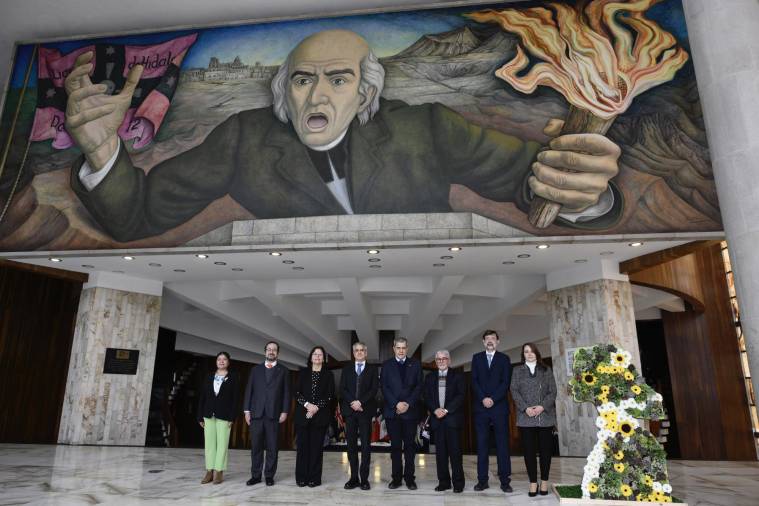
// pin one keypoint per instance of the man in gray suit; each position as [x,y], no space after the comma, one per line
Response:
[267,402]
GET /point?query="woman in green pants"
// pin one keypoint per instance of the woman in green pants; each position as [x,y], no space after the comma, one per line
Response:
[217,409]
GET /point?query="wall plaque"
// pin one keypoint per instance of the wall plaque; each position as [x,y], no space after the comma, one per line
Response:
[120,361]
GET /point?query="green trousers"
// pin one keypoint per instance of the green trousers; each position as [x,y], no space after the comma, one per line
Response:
[217,443]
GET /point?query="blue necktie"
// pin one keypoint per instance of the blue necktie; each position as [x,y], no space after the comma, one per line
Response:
[360,369]
[490,360]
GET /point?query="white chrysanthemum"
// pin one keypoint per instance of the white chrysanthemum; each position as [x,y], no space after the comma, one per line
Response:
[667,488]
[656,397]
[600,422]
[658,487]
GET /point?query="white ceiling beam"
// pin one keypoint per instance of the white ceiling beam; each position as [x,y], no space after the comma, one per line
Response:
[387,322]
[251,316]
[199,345]
[425,310]
[358,307]
[398,285]
[478,313]
[334,307]
[391,306]
[318,286]
[303,314]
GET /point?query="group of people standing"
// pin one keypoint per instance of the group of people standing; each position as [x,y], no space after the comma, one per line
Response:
[407,397]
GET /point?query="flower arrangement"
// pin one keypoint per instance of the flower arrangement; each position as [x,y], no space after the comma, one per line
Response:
[627,462]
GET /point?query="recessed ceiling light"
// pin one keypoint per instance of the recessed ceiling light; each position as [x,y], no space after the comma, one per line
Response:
[523,255]
[375,267]
[606,253]
[179,270]
[288,262]
[275,253]
[438,265]
[580,261]
[118,272]
[153,264]
[298,268]
[508,262]
[373,251]
[237,269]
[127,257]
[201,255]
[220,263]
[455,248]
[88,266]
[446,257]
[636,244]
[55,260]
[543,246]
[374,259]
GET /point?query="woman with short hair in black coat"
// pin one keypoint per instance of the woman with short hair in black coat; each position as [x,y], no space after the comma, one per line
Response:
[314,392]
[217,409]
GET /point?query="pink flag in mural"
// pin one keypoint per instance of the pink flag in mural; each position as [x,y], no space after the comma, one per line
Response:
[111,64]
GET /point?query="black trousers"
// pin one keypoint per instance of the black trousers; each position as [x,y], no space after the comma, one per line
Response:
[263,434]
[534,438]
[355,427]
[310,452]
[402,441]
[448,448]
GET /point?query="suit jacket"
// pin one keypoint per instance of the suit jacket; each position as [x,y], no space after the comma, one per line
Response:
[402,161]
[454,399]
[222,406]
[267,398]
[367,391]
[491,382]
[325,392]
[395,389]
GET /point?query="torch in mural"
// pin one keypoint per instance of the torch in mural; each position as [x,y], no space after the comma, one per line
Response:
[599,55]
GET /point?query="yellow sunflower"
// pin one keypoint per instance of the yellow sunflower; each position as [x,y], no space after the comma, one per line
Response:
[626,428]
[617,358]
[649,481]
[600,368]
[589,378]
[666,498]
[619,455]
[626,490]
[605,389]
[619,467]
[636,389]
[629,376]
[592,488]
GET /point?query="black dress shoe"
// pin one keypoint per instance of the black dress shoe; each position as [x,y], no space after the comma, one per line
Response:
[393,485]
[441,488]
[313,484]
[458,490]
[253,481]
[411,484]
[481,485]
[365,485]
[269,481]
[507,488]
[351,484]
[301,483]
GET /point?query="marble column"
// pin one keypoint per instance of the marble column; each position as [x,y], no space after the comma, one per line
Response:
[599,310]
[115,311]
[725,50]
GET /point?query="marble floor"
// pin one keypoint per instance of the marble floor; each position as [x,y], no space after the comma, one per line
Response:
[40,474]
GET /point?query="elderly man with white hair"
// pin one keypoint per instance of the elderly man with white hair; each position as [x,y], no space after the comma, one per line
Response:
[328,146]
[444,392]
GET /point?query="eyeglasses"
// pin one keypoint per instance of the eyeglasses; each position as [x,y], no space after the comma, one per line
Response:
[441,358]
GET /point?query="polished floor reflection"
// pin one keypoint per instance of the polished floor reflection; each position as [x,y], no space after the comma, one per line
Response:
[37,474]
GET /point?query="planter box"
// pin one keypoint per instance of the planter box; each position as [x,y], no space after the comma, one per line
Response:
[603,502]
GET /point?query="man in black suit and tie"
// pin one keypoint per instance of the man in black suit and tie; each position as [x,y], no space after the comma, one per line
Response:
[402,384]
[359,383]
[444,396]
[267,402]
[491,376]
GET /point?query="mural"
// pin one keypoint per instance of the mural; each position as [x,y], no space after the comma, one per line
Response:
[571,118]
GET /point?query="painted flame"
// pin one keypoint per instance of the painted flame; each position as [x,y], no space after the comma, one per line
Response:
[599,54]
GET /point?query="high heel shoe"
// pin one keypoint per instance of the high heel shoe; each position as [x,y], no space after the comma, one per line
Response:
[532,493]
[543,492]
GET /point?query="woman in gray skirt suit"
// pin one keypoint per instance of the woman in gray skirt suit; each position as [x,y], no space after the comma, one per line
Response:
[533,389]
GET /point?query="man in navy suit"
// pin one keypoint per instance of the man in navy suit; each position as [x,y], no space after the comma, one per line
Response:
[491,376]
[444,396]
[266,404]
[359,383]
[402,390]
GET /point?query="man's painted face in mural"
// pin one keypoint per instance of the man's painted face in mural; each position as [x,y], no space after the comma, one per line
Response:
[322,92]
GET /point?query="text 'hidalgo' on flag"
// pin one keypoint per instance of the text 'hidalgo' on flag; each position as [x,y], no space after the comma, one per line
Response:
[111,65]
